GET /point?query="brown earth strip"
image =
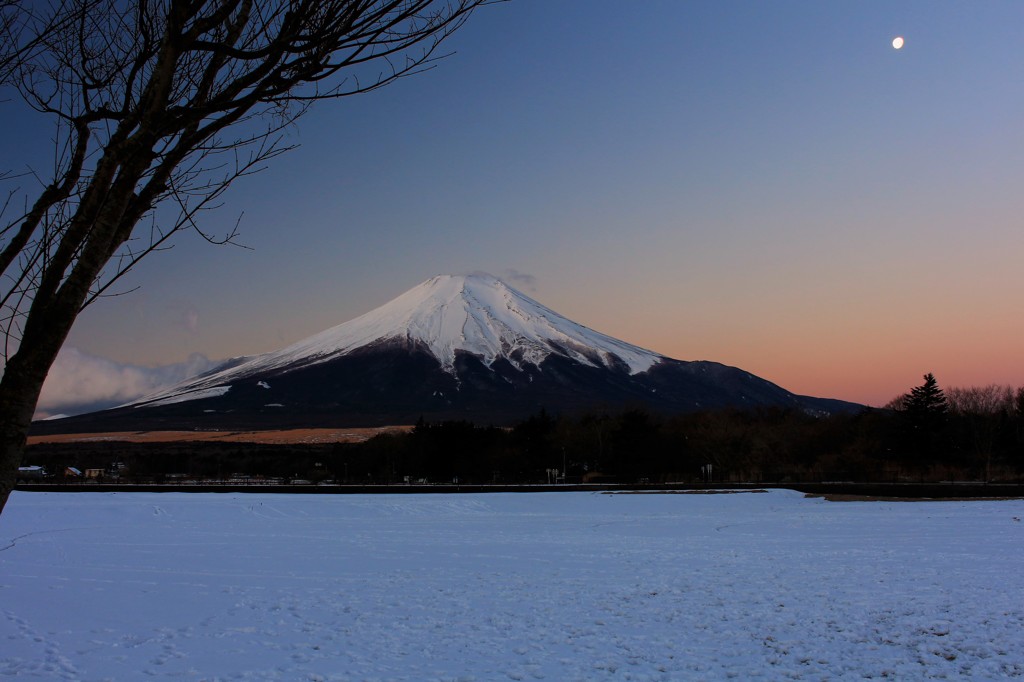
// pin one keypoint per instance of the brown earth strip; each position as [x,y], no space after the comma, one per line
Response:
[280,437]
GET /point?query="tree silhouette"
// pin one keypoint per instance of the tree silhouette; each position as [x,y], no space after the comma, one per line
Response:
[159,105]
[924,411]
[926,400]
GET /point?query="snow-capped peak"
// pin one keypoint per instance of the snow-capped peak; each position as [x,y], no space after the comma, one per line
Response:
[477,314]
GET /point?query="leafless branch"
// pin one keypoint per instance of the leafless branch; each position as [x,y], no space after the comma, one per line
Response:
[158,107]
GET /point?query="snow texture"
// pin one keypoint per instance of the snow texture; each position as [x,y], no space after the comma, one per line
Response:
[553,586]
[196,394]
[477,314]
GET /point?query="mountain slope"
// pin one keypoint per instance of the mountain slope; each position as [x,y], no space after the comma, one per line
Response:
[475,314]
[452,347]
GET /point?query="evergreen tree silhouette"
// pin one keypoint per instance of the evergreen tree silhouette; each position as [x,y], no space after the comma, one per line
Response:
[926,400]
[924,410]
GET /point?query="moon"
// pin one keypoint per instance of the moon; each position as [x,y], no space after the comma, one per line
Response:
[897,42]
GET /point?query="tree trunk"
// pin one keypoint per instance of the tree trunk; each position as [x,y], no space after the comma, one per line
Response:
[46,327]
[58,300]
[19,391]
[45,332]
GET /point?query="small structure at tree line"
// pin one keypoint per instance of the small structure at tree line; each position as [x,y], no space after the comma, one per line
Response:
[31,473]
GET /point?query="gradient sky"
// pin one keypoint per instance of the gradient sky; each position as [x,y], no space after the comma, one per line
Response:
[765,184]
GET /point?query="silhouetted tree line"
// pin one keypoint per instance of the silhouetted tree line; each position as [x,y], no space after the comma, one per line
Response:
[925,435]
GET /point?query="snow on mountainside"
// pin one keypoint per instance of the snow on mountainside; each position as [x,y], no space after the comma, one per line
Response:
[476,314]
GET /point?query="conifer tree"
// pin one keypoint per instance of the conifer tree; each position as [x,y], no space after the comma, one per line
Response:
[926,400]
[924,410]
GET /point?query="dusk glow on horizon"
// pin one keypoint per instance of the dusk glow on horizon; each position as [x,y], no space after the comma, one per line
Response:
[766,185]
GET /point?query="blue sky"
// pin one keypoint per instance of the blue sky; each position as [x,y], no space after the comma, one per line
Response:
[768,185]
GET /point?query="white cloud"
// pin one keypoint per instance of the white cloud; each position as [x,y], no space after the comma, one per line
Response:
[79,382]
[521,279]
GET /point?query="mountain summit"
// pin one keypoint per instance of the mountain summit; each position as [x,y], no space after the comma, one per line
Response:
[450,314]
[452,347]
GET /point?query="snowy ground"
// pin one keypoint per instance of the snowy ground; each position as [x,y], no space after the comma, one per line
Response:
[556,586]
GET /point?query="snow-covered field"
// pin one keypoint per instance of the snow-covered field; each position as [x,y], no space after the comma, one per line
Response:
[556,586]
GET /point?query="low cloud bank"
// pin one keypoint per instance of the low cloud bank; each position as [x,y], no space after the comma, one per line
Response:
[79,382]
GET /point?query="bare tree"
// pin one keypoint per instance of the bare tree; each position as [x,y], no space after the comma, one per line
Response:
[159,106]
[11,44]
[984,400]
[983,407]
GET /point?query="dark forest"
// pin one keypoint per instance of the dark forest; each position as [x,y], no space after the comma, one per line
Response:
[970,435]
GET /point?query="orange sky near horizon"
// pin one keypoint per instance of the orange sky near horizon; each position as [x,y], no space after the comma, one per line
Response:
[767,185]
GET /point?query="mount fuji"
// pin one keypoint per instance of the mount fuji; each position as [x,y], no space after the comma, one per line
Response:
[454,347]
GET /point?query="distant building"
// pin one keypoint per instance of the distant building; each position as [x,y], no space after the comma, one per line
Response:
[31,473]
